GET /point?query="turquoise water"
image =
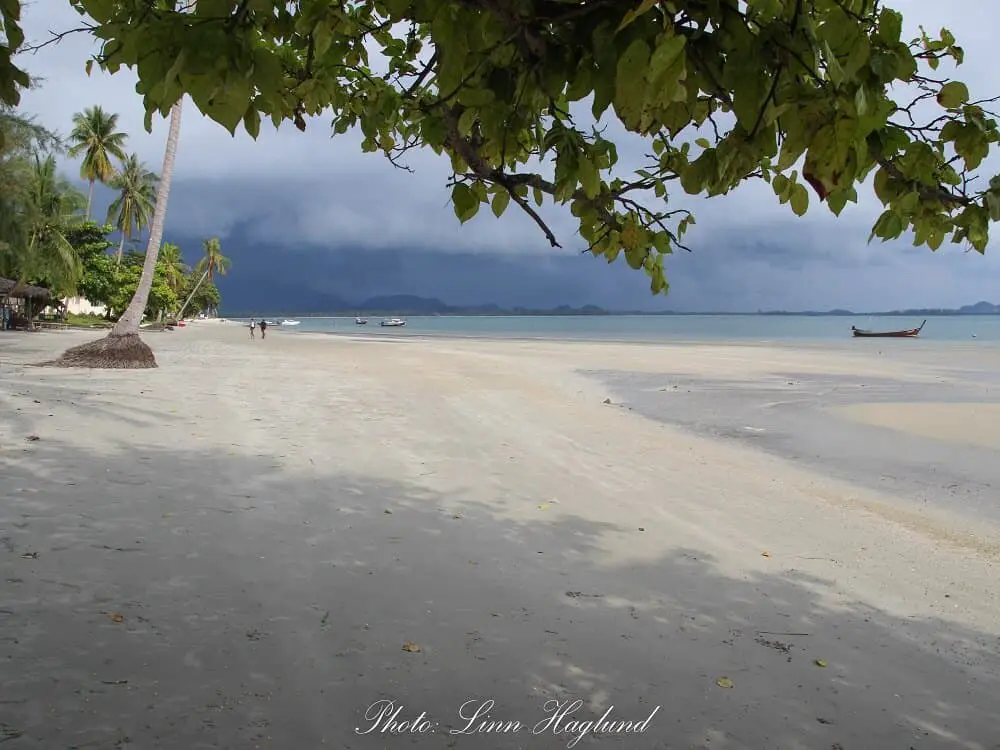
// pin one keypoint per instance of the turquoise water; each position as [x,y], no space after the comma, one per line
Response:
[985,328]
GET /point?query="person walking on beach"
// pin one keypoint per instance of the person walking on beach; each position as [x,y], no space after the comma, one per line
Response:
[253,327]
[263,328]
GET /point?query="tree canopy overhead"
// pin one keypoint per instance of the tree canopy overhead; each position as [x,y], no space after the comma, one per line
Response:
[794,92]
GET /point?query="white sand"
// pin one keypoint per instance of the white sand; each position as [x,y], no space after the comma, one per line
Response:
[509,433]
[970,423]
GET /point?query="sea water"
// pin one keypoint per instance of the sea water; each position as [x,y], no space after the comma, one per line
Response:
[984,328]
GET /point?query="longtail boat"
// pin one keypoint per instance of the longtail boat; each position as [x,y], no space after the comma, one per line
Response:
[908,333]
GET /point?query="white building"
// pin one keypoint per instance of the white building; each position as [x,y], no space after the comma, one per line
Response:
[80,306]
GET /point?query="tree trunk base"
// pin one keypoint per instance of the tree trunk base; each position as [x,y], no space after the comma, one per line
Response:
[121,352]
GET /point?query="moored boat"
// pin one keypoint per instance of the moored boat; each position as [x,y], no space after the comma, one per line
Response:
[361,321]
[290,322]
[392,323]
[908,333]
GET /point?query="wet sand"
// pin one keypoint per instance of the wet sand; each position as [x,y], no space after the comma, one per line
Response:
[254,543]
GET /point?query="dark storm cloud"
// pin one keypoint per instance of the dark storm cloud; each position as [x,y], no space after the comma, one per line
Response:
[350,220]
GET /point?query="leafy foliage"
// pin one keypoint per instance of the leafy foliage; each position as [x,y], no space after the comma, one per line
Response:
[792,92]
[50,208]
[113,284]
[37,207]
[175,271]
[97,277]
[12,78]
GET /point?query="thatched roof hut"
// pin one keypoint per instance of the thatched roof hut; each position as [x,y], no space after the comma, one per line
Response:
[24,291]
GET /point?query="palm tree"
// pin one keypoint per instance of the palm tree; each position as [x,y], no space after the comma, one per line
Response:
[132,210]
[212,262]
[51,205]
[21,138]
[122,348]
[95,134]
[36,248]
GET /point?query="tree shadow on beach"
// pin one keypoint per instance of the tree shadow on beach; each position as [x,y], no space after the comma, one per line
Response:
[179,599]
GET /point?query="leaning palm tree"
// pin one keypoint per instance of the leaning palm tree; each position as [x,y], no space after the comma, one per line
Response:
[95,134]
[122,348]
[132,210]
[211,263]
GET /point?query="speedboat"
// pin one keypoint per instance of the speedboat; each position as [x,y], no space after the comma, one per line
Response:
[290,322]
[393,323]
[361,321]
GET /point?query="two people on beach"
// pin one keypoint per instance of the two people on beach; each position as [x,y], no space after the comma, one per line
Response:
[253,328]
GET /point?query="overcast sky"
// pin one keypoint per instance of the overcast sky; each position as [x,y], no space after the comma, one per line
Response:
[308,193]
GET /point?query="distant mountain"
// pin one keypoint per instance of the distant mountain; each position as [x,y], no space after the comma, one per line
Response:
[409,303]
[980,308]
[403,304]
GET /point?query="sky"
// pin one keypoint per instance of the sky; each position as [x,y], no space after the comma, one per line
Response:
[304,210]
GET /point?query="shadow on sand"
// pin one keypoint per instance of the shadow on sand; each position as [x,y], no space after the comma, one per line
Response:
[174,599]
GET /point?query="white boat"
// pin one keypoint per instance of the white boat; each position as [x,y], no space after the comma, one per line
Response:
[361,321]
[392,323]
[290,322]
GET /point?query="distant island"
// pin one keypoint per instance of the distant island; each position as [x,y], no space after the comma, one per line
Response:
[408,304]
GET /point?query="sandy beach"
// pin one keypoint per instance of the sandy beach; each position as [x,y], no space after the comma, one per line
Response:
[759,547]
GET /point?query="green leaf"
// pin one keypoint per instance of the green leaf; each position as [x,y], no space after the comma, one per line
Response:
[251,121]
[664,56]
[799,199]
[890,25]
[703,142]
[953,95]
[780,184]
[644,7]
[860,101]
[323,37]
[467,121]
[749,90]
[628,95]
[500,202]
[993,206]
[836,201]
[581,84]
[464,201]
[590,178]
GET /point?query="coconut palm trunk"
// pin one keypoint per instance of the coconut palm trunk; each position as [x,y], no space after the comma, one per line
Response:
[90,200]
[191,296]
[122,348]
[129,322]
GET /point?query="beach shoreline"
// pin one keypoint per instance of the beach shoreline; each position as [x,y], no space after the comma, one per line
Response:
[274,521]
